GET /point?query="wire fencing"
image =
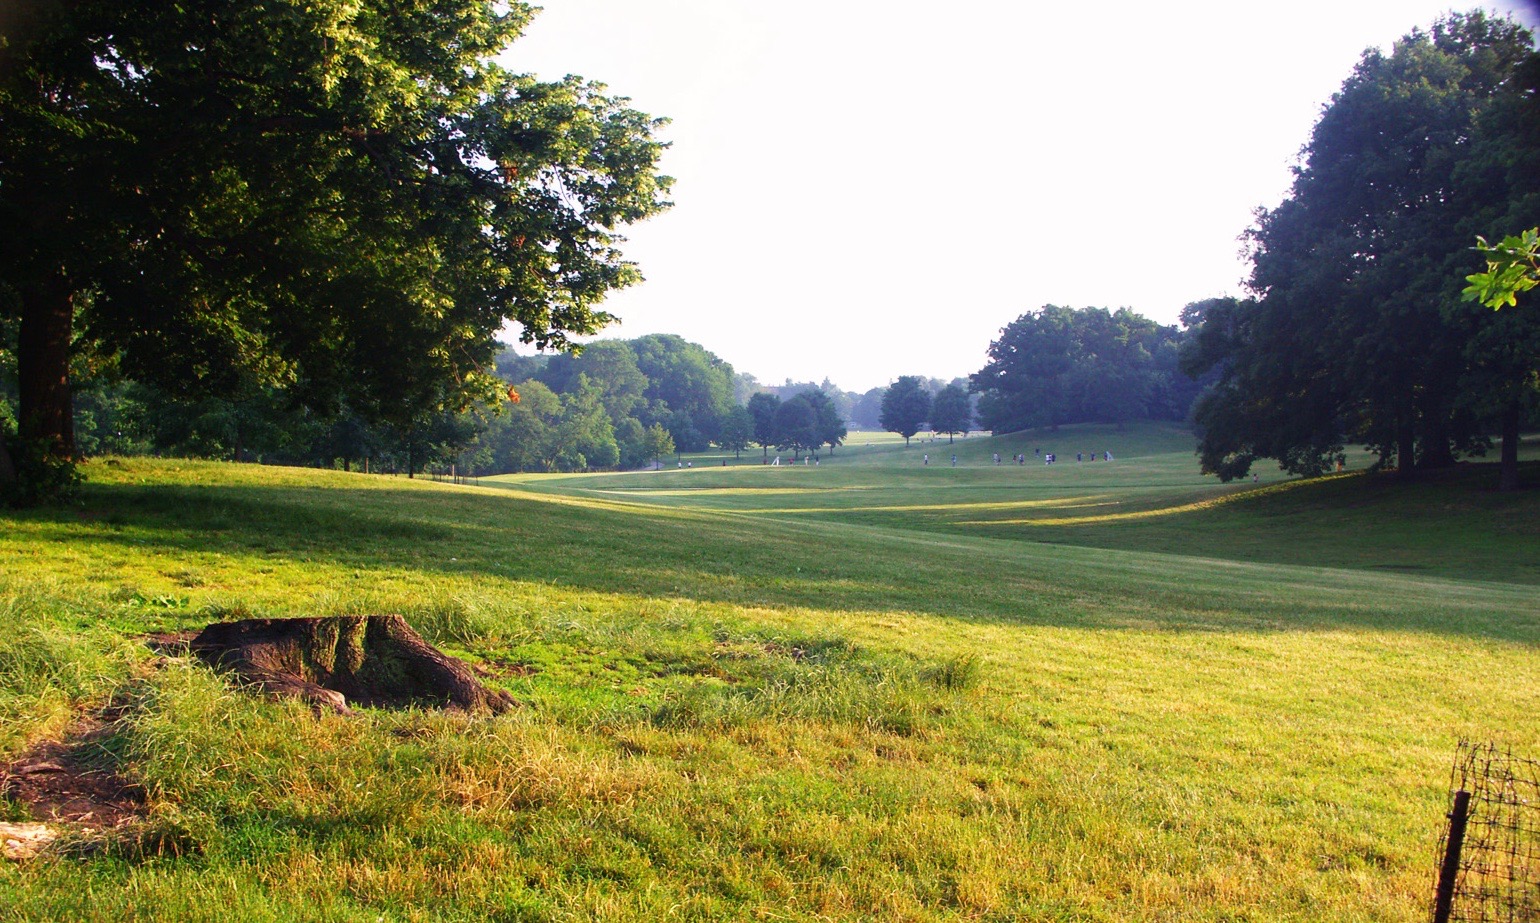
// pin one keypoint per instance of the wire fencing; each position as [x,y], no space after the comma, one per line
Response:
[1489,855]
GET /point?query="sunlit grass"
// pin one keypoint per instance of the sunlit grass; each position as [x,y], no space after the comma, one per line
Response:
[805,693]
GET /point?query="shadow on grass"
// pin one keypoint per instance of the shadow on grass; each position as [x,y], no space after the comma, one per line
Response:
[1452,524]
[743,560]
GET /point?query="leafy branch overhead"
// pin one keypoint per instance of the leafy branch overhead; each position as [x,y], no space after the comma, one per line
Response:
[346,200]
[1513,266]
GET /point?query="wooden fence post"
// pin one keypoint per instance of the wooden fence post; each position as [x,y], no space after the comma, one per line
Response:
[1444,898]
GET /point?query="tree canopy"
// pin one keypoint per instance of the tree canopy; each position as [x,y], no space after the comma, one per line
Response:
[951,411]
[342,199]
[1059,365]
[1357,331]
[689,389]
[905,406]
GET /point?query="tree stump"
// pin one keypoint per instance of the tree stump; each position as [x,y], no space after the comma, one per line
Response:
[370,660]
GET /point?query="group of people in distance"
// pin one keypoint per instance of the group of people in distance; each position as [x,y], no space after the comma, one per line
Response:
[1048,458]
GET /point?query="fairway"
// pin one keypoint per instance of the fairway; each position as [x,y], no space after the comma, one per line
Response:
[871,688]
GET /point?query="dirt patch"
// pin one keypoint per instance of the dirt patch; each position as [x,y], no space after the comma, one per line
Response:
[508,669]
[72,781]
[170,643]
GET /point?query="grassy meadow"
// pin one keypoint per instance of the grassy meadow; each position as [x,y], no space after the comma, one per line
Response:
[870,689]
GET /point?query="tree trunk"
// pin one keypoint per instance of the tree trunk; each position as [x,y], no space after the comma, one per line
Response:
[373,660]
[43,364]
[1435,447]
[1406,451]
[7,467]
[1508,465]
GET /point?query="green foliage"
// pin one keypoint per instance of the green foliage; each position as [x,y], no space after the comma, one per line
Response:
[657,443]
[796,424]
[1513,266]
[608,365]
[39,475]
[1059,365]
[737,429]
[585,437]
[951,410]
[689,390]
[345,202]
[762,407]
[803,422]
[1357,333]
[828,423]
[905,405]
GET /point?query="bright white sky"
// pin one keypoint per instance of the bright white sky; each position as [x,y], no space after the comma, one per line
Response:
[873,188]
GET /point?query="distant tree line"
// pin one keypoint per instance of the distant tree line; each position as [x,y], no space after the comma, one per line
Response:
[804,422]
[1060,365]
[617,404]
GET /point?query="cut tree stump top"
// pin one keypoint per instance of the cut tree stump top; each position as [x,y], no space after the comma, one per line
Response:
[335,661]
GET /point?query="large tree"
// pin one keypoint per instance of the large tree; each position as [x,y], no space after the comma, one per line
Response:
[689,389]
[345,199]
[830,422]
[1060,365]
[796,425]
[905,406]
[951,411]
[1357,332]
[762,408]
[737,430]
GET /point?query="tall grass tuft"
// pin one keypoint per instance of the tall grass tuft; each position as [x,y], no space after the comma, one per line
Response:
[955,674]
[840,682]
[51,663]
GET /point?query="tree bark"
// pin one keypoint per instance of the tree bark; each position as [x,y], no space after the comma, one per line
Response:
[7,466]
[1406,452]
[42,366]
[1508,464]
[1435,447]
[372,660]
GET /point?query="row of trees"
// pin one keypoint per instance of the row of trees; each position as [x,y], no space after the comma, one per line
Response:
[618,403]
[804,422]
[659,379]
[1356,331]
[596,410]
[1059,365]
[910,405]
